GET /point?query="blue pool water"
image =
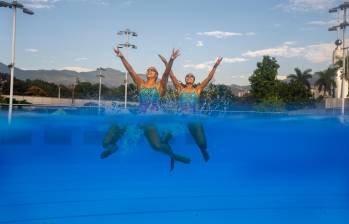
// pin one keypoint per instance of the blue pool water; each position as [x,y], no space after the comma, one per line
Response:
[264,168]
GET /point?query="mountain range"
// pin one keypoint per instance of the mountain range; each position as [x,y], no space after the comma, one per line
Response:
[112,77]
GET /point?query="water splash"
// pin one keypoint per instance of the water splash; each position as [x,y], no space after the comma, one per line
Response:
[130,140]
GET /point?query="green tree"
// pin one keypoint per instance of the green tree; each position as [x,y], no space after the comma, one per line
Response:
[301,77]
[270,104]
[86,90]
[35,91]
[263,81]
[295,95]
[326,82]
[339,64]
[50,89]
[3,80]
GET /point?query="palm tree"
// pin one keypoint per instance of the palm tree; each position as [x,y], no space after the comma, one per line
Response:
[302,77]
[326,81]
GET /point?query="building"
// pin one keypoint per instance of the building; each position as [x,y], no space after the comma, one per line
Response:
[337,56]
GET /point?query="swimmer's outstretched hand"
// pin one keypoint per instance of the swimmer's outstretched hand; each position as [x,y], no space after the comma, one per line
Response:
[163,59]
[218,62]
[175,54]
[118,52]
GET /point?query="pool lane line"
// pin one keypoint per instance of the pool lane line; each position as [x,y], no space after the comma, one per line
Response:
[169,211]
[344,196]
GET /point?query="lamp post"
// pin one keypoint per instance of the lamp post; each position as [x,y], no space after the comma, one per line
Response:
[73,91]
[338,43]
[343,7]
[73,94]
[59,94]
[14,6]
[127,45]
[100,76]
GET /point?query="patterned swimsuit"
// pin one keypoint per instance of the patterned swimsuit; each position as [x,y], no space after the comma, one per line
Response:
[188,102]
[149,99]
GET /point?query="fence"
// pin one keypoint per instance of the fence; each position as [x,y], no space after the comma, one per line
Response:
[54,101]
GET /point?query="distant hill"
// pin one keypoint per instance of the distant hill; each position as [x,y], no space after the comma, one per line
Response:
[312,80]
[235,89]
[113,78]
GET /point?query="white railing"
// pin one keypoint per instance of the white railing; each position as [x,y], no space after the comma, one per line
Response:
[54,101]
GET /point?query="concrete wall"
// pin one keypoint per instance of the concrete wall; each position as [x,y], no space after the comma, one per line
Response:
[54,101]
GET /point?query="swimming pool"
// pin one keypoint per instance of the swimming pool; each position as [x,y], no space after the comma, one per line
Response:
[264,168]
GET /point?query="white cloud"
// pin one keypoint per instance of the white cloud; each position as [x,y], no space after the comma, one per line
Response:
[208,65]
[316,53]
[319,53]
[127,3]
[282,51]
[219,34]
[80,59]
[281,77]
[238,77]
[234,60]
[40,4]
[32,50]
[223,34]
[102,2]
[199,43]
[235,77]
[290,43]
[306,5]
[250,34]
[78,69]
[201,66]
[95,2]
[323,23]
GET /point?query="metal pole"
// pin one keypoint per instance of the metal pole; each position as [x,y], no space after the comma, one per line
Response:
[126,74]
[126,45]
[59,93]
[12,64]
[344,61]
[100,89]
[72,96]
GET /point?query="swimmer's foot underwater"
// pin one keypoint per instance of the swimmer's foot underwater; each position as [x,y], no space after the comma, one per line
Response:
[165,141]
[114,134]
[162,144]
[198,133]
[106,153]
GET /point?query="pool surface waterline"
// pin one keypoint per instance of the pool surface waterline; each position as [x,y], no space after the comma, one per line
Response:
[263,168]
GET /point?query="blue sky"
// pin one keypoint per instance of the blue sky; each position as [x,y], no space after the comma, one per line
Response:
[80,34]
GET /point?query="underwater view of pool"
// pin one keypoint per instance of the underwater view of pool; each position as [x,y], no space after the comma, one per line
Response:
[263,168]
